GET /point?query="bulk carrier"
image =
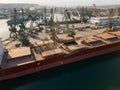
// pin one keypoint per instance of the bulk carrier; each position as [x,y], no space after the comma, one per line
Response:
[26,53]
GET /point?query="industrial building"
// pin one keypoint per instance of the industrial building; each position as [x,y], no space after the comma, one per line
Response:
[102,21]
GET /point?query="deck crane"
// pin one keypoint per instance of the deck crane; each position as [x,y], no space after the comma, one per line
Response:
[67,17]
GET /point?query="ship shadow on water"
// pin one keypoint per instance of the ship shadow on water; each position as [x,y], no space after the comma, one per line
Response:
[55,72]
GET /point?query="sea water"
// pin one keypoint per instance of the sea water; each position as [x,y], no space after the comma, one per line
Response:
[4,29]
[1,51]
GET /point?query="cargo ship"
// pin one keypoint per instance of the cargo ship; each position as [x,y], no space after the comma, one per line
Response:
[26,53]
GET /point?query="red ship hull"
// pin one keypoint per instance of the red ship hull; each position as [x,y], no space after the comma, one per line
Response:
[57,61]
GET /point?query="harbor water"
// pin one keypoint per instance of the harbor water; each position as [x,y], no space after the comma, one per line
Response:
[4,31]
[98,73]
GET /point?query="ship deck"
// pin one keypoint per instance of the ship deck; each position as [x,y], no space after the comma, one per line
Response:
[84,38]
[17,62]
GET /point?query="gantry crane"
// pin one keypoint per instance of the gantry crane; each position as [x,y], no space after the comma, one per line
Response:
[21,34]
[110,21]
[67,18]
[12,29]
[52,24]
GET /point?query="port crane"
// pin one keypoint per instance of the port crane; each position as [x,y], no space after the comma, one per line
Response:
[110,21]
[13,29]
[52,24]
[75,16]
[67,18]
[25,32]
[22,34]
[22,24]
